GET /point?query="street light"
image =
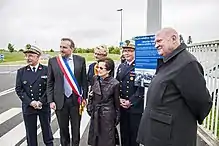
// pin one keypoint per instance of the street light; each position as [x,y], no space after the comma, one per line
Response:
[120,10]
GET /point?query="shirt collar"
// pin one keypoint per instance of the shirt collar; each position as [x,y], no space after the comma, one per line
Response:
[129,63]
[70,57]
[175,52]
[36,66]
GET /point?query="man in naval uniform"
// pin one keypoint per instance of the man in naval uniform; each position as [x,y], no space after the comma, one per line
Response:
[131,97]
[31,89]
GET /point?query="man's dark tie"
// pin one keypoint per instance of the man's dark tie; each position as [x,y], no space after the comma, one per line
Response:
[34,69]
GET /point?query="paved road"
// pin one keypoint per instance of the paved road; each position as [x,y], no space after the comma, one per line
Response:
[12,131]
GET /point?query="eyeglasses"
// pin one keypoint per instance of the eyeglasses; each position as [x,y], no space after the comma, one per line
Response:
[101,68]
[98,54]
[128,51]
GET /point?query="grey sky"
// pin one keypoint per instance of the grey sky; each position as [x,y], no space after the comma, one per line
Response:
[94,22]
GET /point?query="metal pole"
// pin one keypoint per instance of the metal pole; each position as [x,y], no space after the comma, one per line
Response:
[120,10]
[121,25]
[154,16]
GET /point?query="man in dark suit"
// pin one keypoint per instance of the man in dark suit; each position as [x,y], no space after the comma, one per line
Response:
[177,97]
[62,98]
[31,89]
[131,97]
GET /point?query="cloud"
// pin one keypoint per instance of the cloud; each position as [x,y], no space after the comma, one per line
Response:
[90,23]
[195,18]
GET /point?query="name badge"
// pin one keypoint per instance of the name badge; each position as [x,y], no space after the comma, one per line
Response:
[43,77]
[132,74]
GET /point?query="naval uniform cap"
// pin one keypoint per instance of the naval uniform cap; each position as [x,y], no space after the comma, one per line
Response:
[128,44]
[33,49]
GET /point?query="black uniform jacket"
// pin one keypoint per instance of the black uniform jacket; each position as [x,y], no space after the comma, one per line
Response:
[31,86]
[135,94]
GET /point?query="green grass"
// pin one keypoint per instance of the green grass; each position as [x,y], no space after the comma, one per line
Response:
[12,57]
[18,57]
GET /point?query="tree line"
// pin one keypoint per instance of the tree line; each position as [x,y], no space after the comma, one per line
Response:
[112,49]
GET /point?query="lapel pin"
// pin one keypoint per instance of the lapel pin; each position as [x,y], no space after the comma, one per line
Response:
[25,82]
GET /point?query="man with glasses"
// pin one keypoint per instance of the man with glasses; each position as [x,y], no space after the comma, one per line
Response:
[100,52]
[131,97]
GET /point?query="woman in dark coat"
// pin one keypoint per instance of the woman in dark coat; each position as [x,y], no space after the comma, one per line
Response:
[103,106]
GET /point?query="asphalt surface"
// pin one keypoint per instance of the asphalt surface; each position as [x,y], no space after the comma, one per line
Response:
[12,131]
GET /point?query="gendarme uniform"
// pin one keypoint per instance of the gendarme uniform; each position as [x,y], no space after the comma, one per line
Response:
[130,118]
[31,85]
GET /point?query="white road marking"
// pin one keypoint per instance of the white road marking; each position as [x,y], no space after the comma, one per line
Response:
[84,122]
[39,130]
[7,91]
[9,114]
[16,134]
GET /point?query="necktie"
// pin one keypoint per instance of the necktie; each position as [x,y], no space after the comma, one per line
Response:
[67,87]
[34,69]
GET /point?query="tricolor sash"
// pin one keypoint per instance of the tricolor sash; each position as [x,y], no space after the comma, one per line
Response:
[63,64]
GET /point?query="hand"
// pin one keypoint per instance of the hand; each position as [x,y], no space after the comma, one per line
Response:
[89,110]
[122,101]
[34,104]
[53,105]
[127,104]
[39,105]
[84,101]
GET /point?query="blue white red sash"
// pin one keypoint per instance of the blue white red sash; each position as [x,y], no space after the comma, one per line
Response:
[63,64]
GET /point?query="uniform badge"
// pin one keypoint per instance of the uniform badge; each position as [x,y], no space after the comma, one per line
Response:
[132,74]
[119,70]
[24,82]
[43,77]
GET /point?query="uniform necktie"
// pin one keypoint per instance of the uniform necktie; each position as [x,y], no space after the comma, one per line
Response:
[67,87]
[34,69]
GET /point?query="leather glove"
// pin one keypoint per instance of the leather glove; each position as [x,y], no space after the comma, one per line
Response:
[89,110]
[117,118]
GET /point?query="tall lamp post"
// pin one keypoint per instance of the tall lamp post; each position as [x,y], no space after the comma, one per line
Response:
[120,10]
